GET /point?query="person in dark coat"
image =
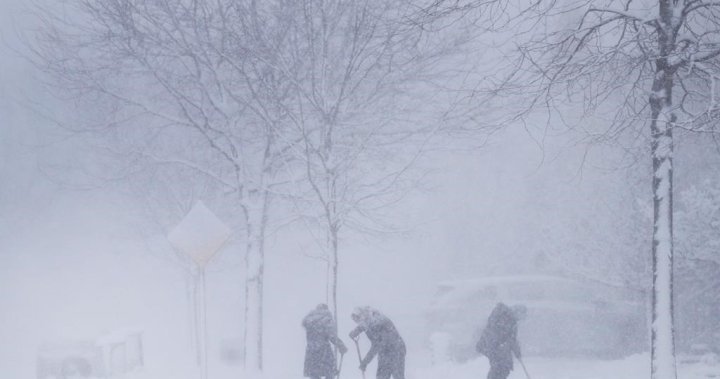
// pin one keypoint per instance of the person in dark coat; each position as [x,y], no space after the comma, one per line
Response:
[320,329]
[385,342]
[498,340]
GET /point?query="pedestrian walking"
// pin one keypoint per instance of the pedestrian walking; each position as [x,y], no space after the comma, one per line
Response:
[321,332]
[498,341]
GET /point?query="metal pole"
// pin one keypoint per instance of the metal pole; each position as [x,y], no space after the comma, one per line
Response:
[203,326]
[197,339]
[191,308]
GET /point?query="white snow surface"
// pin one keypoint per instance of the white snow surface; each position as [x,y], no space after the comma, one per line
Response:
[637,366]
[633,367]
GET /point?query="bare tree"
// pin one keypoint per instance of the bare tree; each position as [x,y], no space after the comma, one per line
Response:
[260,99]
[353,67]
[652,52]
[189,86]
[647,64]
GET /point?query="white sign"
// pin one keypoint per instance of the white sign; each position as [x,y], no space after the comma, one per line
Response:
[200,234]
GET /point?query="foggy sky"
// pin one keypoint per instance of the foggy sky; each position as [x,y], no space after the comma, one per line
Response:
[73,264]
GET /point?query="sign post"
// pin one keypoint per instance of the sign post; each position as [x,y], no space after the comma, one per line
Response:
[200,234]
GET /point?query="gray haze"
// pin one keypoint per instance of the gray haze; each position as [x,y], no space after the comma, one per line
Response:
[78,260]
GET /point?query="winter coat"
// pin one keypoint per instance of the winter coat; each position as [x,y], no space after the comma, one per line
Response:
[321,332]
[385,342]
[499,338]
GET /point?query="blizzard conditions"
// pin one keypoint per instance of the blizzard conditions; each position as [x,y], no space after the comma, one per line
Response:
[359,189]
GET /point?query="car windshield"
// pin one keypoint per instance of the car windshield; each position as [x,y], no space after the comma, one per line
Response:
[453,294]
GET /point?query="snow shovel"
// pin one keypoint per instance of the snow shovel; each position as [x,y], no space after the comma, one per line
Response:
[339,368]
[357,347]
[523,366]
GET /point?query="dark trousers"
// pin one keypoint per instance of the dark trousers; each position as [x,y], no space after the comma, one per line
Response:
[498,371]
[501,364]
[391,364]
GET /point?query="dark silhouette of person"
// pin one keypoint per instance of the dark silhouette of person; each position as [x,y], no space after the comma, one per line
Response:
[498,341]
[320,360]
[385,342]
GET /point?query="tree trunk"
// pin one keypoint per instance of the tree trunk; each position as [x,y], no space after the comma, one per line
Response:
[333,262]
[663,119]
[255,270]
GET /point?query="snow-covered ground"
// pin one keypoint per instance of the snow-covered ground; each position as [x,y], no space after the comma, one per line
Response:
[634,367]
[637,366]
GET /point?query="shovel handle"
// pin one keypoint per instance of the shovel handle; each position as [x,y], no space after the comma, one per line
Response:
[357,348]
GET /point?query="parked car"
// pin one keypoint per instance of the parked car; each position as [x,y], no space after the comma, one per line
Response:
[566,317]
[107,356]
